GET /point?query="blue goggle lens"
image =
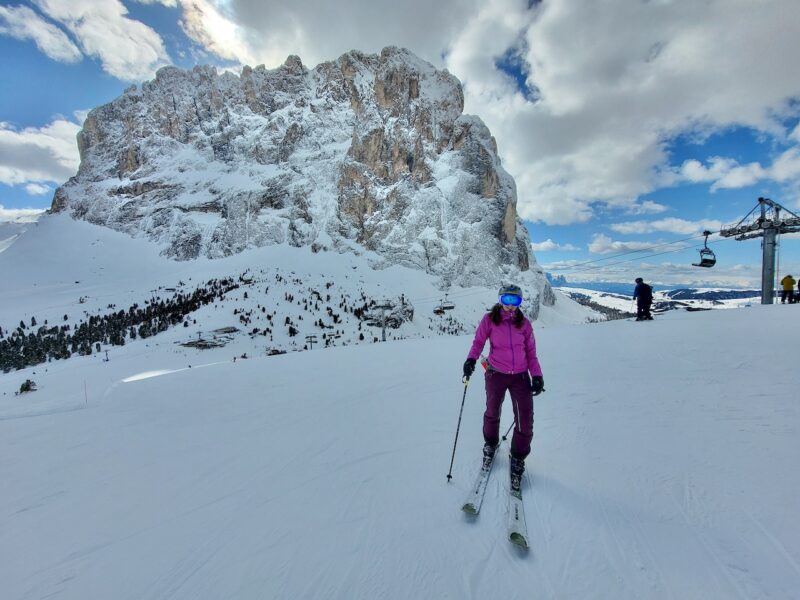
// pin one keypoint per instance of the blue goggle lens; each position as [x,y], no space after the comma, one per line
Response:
[510,300]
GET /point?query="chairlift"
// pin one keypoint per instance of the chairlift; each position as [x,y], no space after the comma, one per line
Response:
[707,257]
[439,310]
[447,304]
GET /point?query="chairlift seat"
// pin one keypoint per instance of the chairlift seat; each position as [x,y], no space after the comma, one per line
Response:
[707,259]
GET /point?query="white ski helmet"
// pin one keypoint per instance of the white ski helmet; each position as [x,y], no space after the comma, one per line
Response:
[511,289]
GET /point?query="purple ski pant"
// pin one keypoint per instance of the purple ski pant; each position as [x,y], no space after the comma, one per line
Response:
[519,385]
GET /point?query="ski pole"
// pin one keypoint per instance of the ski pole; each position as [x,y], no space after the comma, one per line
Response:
[458,428]
[505,437]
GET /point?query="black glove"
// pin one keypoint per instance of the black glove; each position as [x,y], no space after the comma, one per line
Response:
[537,385]
[469,367]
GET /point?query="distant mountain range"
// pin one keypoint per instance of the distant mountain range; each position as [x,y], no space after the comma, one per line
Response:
[710,294]
[612,287]
[675,292]
[620,304]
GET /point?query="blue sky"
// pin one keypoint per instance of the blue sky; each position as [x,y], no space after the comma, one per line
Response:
[626,126]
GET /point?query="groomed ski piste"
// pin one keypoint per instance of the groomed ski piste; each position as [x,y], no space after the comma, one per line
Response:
[663,465]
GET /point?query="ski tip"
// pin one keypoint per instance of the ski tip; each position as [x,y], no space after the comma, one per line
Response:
[518,540]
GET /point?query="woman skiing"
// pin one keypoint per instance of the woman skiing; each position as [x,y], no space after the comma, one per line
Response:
[512,356]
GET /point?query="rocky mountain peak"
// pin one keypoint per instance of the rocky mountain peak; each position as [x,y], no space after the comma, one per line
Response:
[364,153]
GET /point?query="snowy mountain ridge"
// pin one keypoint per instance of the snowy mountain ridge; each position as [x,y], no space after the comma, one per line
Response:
[364,153]
[105,290]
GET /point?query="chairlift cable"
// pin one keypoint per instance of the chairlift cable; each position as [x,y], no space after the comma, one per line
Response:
[626,253]
[682,249]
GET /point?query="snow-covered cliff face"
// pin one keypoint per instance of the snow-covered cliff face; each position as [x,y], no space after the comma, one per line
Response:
[364,152]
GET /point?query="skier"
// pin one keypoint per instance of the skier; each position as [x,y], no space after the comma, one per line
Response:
[643,294]
[788,289]
[512,356]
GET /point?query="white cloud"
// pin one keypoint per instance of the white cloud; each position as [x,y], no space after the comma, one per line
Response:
[207,25]
[726,173]
[786,167]
[647,207]
[267,31]
[740,176]
[694,171]
[37,189]
[19,215]
[38,154]
[669,225]
[549,246]
[608,105]
[127,49]
[473,51]
[22,23]
[169,3]
[602,244]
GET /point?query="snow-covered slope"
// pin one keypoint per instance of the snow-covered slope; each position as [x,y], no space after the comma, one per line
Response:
[663,466]
[11,230]
[64,273]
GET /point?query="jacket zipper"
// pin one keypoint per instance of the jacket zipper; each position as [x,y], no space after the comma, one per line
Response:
[511,343]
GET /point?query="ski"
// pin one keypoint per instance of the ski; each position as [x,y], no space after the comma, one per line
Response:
[473,501]
[517,530]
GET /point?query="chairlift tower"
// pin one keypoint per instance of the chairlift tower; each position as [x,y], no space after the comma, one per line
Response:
[383,308]
[768,225]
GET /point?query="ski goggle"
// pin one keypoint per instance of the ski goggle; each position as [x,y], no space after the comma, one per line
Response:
[510,300]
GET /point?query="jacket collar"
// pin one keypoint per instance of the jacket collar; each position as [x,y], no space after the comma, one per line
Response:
[507,315]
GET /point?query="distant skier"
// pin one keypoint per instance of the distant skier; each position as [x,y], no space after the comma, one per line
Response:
[513,366]
[643,294]
[788,289]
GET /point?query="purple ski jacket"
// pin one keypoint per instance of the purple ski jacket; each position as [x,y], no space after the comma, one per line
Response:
[511,349]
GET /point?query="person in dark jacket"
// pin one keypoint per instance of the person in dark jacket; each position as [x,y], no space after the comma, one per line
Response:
[512,366]
[643,294]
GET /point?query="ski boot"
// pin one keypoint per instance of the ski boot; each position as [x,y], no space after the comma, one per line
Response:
[488,454]
[517,469]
